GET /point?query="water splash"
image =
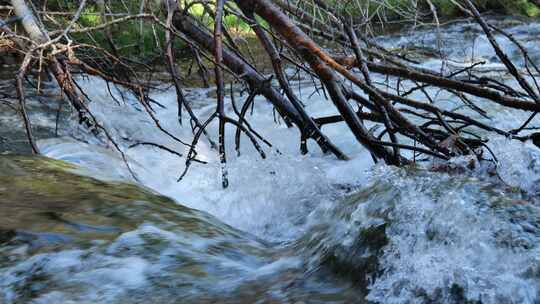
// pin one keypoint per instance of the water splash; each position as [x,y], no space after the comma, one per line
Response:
[405,236]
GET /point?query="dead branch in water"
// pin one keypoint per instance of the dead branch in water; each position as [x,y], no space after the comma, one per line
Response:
[327,44]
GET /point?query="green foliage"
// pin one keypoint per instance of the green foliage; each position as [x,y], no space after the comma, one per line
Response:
[135,41]
[90,17]
[131,39]
[512,7]
[522,7]
[445,8]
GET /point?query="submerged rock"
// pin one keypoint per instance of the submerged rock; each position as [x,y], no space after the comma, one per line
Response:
[48,119]
[66,238]
[412,236]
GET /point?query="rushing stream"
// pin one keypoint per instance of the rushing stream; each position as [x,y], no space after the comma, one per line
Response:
[289,229]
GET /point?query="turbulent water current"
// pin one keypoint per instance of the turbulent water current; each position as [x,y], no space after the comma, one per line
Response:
[290,228]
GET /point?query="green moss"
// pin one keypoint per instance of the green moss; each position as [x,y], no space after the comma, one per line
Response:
[35,192]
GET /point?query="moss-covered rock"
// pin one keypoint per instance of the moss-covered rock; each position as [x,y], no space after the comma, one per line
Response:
[38,194]
[64,237]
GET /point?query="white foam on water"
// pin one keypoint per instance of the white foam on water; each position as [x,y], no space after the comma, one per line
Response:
[87,276]
[276,198]
[263,194]
[458,237]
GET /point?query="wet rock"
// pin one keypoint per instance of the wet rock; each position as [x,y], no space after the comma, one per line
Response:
[414,236]
[42,108]
[6,235]
[66,238]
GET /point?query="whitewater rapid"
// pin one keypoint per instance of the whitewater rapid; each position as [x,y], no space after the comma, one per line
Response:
[282,198]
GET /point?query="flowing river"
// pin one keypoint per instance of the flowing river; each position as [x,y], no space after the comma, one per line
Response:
[77,228]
